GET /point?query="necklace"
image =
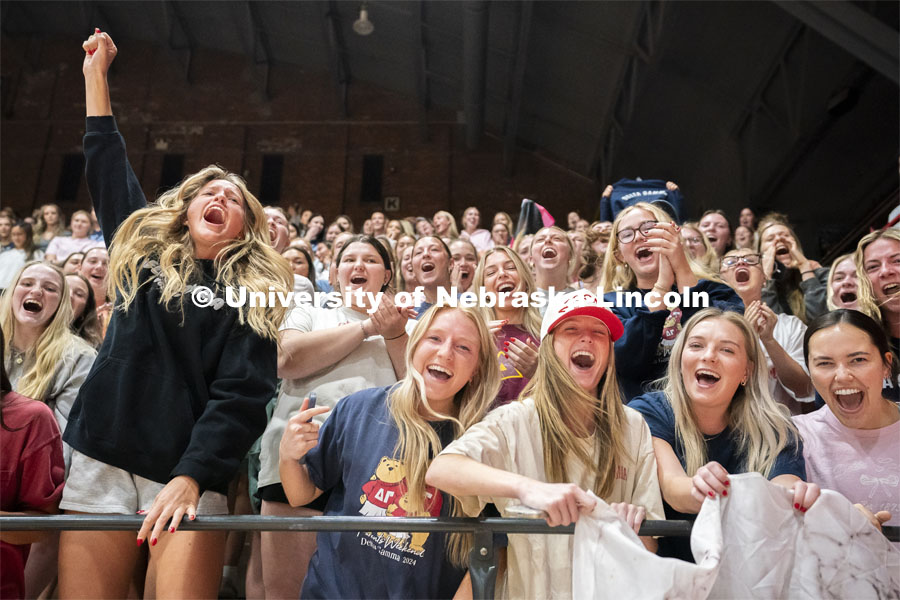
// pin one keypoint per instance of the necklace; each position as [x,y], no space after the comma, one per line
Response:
[17,356]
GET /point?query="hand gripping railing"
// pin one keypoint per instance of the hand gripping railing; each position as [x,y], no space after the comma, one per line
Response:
[482,558]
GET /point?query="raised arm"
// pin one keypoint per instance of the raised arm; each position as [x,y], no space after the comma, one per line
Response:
[113,186]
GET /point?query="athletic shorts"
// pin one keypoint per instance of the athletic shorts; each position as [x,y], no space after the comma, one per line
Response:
[96,487]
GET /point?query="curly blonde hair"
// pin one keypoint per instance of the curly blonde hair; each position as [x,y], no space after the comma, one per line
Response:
[160,231]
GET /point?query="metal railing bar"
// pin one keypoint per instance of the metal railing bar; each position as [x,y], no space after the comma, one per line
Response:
[321,523]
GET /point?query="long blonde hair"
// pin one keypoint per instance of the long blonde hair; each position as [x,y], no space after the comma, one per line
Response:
[760,425]
[160,231]
[866,295]
[865,303]
[417,442]
[531,316]
[560,403]
[617,274]
[452,232]
[54,344]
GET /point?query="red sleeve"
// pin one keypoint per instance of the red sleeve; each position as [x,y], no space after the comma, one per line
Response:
[41,467]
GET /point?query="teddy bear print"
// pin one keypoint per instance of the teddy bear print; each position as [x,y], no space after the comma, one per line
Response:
[383,489]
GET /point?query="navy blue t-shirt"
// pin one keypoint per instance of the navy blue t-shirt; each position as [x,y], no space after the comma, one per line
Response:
[722,448]
[355,460]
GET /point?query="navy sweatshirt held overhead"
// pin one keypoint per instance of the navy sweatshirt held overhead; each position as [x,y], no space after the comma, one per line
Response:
[170,393]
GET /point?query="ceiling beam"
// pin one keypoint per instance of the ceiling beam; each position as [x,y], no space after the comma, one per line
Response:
[475,33]
[177,22]
[337,51]
[260,42]
[420,51]
[854,30]
[645,45]
[517,87]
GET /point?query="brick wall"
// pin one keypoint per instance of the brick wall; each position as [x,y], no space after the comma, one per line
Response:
[220,114]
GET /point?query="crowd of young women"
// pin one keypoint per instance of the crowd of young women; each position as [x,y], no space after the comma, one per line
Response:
[388,411]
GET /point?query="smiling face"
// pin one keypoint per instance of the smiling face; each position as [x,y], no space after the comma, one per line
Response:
[95,268]
[80,225]
[501,274]
[447,356]
[747,280]
[215,217]
[713,363]
[431,263]
[36,296]
[582,343]
[441,224]
[361,268]
[848,372]
[881,262]
[406,267]
[471,218]
[844,286]
[378,221]
[78,294]
[279,232]
[550,250]
[636,253]
[779,237]
[715,227]
[464,257]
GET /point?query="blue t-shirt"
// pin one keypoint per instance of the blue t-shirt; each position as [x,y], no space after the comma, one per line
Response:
[354,459]
[722,448]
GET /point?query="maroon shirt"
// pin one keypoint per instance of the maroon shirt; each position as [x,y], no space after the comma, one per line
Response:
[512,382]
[31,476]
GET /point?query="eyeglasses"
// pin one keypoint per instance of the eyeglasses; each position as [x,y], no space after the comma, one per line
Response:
[627,235]
[751,260]
[693,241]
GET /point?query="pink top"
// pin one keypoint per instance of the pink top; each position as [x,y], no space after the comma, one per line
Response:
[861,464]
[61,247]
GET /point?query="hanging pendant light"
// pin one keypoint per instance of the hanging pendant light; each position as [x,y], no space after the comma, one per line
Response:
[363,26]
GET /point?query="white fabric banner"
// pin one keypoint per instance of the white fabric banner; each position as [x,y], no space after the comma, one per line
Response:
[750,544]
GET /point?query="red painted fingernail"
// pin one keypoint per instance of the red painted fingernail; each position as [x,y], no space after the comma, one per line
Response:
[172,529]
[96,30]
[506,355]
[91,52]
[797,506]
[724,492]
[192,517]
[727,483]
[803,509]
[712,495]
[139,542]
[153,542]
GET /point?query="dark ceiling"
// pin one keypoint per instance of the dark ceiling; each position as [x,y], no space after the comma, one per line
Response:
[787,105]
